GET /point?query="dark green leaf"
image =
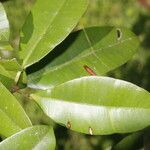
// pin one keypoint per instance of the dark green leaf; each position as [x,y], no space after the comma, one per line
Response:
[130,142]
[95,50]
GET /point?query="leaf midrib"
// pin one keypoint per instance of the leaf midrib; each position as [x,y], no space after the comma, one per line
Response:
[51,100]
[79,57]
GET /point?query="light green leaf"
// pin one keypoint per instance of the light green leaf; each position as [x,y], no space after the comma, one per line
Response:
[48,24]
[6,78]
[6,54]
[12,66]
[4,30]
[6,81]
[17,11]
[4,72]
[5,45]
[35,138]
[12,116]
[4,25]
[96,48]
[97,105]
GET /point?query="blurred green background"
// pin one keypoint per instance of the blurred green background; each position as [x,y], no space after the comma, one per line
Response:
[134,14]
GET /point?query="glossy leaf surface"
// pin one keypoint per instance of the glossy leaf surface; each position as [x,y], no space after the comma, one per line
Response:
[94,50]
[12,116]
[97,105]
[47,25]
[35,138]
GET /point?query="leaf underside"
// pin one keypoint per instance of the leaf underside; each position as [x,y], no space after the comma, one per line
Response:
[97,105]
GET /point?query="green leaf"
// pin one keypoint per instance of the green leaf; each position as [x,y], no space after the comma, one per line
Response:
[13,117]
[7,82]
[4,30]
[4,72]
[96,48]
[47,25]
[12,66]
[97,105]
[6,78]
[4,26]
[130,142]
[17,11]
[6,54]
[36,137]
[5,45]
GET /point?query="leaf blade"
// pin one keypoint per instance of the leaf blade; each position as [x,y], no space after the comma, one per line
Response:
[131,141]
[97,105]
[103,53]
[12,113]
[50,33]
[4,25]
[36,137]
[6,78]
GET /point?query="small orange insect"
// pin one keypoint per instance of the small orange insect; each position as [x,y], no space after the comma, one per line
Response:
[89,70]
